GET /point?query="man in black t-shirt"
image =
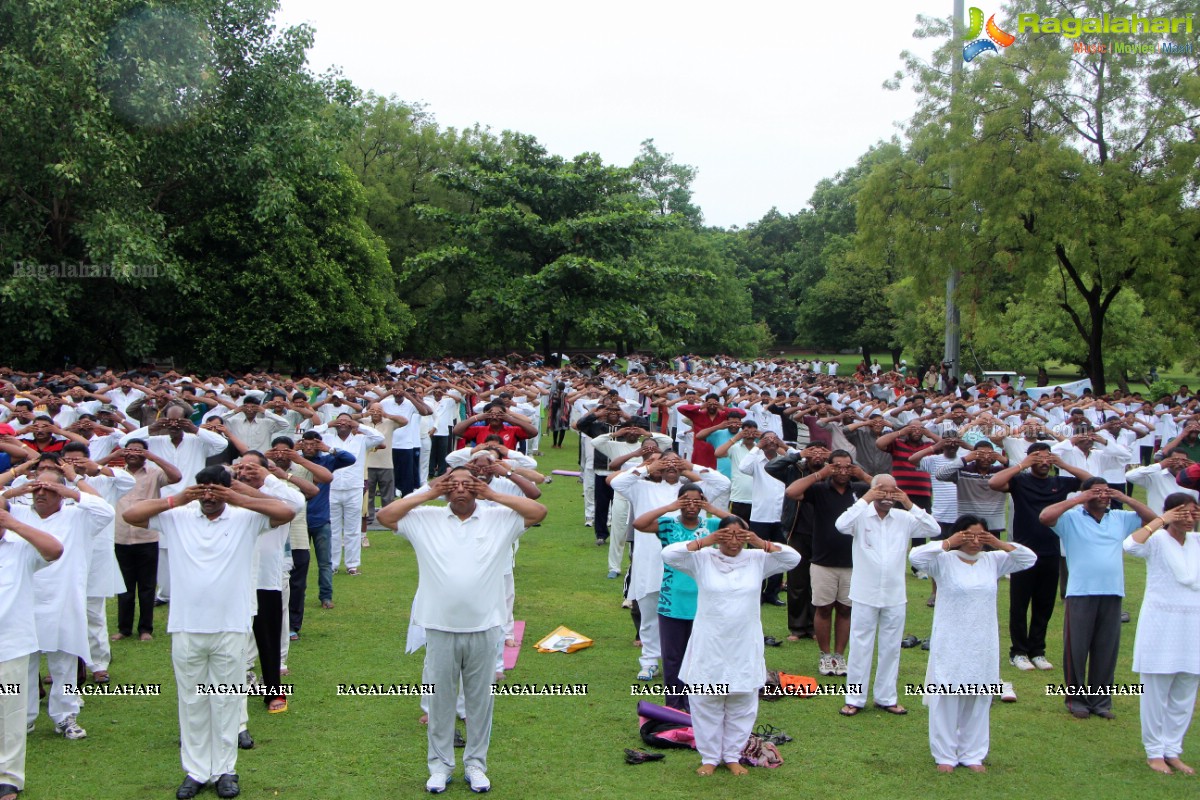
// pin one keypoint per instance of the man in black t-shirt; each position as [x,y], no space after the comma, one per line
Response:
[829,492]
[1033,590]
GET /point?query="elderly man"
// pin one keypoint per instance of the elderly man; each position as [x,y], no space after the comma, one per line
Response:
[882,537]
[462,551]
[24,550]
[254,425]
[1092,534]
[60,592]
[212,532]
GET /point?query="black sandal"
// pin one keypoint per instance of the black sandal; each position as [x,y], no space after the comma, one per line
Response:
[641,757]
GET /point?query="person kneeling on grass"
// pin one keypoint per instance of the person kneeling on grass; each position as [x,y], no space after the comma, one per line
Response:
[725,651]
[965,646]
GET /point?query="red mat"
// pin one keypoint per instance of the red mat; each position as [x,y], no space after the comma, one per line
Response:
[511,653]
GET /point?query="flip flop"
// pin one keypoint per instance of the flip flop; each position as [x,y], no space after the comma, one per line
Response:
[641,757]
[278,710]
[896,709]
[909,641]
[771,641]
[849,710]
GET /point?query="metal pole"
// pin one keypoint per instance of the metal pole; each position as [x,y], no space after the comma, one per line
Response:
[952,354]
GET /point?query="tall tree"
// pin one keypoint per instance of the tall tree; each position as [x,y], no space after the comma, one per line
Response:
[667,184]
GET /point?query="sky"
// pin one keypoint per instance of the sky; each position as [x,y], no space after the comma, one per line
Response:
[765,99]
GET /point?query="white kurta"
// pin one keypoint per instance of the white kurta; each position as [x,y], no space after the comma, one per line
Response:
[60,590]
[965,645]
[1168,630]
[726,646]
[104,574]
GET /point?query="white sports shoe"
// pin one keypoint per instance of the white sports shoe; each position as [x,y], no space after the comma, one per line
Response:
[839,664]
[477,779]
[1041,663]
[648,673]
[70,729]
[1008,694]
[827,664]
[437,782]
[1021,662]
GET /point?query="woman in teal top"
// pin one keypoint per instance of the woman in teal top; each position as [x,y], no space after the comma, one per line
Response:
[679,521]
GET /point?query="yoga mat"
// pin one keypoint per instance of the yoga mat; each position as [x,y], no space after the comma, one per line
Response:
[565,472]
[662,713]
[511,653]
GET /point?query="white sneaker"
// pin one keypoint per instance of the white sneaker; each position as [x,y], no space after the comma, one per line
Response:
[437,782]
[30,727]
[648,673]
[827,664]
[1021,662]
[70,729]
[477,779]
[839,664]
[1041,663]
[1007,693]
[922,575]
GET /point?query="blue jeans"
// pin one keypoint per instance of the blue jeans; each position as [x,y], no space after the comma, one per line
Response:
[322,541]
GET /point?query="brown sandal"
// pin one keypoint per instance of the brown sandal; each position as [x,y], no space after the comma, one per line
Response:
[849,710]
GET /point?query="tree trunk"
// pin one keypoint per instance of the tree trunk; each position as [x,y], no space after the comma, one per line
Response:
[896,359]
[546,357]
[1095,365]
[866,356]
[1123,381]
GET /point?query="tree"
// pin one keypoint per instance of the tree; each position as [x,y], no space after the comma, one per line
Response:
[1072,167]
[667,184]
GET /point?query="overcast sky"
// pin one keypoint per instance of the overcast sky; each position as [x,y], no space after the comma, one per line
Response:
[764,99]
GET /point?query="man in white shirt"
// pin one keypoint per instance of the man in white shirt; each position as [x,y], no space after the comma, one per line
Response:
[212,533]
[883,536]
[346,491]
[406,441]
[444,404]
[462,551]
[24,550]
[766,509]
[1159,480]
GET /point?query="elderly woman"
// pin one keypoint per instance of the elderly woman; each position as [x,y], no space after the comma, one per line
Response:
[964,650]
[1167,651]
[678,521]
[725,652]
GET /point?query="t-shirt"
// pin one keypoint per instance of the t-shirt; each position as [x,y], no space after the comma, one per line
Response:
[677,597]
[1095,558]
[509,434]
[909,479]
[461,565]
[1030,495]
[830,547]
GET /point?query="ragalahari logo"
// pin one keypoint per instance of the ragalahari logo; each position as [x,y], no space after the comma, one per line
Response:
[995,36]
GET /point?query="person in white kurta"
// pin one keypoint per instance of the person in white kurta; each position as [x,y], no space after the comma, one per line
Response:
[964,650]
[726,645]
[24,550]
[346,491]
[882,535]
[1166,651]
[652,485]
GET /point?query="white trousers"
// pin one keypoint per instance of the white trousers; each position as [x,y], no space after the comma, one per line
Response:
[959,730]
[866,624]
[345,517]
[97,618]
[618,529]
[722,725]
[1166,708]
[164,575]
[285,639]
[423,468]
[63,671]
[588,473]
[648,631]
[510,596]
[208,724]
[14,673]
[471,659]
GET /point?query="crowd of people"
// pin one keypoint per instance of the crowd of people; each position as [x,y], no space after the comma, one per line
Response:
[730,483]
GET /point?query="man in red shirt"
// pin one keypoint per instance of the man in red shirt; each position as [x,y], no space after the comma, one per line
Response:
[511,428]
[706,416]
[46,437]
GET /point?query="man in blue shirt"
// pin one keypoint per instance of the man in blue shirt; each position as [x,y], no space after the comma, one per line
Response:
[1091,534]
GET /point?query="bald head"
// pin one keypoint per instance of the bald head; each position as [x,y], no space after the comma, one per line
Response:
[883,481]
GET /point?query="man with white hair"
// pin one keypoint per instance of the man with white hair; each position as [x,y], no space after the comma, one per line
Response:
[882,535]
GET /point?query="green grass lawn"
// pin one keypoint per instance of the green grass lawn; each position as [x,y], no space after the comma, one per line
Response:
[343,748]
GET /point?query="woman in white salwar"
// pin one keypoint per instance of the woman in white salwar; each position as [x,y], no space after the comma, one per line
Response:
[1166,651]
[964,650]
[725,651]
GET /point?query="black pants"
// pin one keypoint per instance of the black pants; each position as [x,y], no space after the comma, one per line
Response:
[439,448]
[406,463]
[770,532]
[1035,587]
[799,588]
[298,583]
[139,568]
[1091,641]
[604,498]
[740,510]
[267,624]
[673,636]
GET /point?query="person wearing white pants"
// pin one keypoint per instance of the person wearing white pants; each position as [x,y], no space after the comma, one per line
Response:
[724,660]
[346,490]
[1166,651]
[964,650]
[212,533]
[624,452]
[882,537]
[24,550]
